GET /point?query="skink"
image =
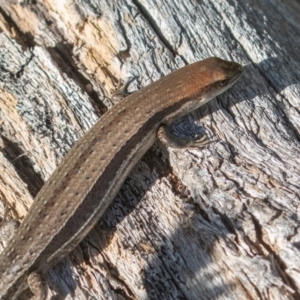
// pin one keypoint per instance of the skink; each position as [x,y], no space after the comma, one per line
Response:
[89,177]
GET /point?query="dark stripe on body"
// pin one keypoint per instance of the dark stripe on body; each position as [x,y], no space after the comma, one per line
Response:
[99,189]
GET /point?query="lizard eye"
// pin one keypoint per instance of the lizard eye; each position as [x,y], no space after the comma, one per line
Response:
[224,82]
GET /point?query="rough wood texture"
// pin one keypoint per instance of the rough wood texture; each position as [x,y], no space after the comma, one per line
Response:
[214,223]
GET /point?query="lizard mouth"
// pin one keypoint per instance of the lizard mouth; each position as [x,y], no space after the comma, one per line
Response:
[236,73]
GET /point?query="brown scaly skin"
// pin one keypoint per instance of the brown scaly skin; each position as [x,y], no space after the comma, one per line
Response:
[89,177]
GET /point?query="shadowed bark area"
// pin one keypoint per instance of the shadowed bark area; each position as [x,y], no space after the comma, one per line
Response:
[220,222]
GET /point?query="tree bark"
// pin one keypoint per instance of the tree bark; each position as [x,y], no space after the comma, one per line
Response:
[220,222]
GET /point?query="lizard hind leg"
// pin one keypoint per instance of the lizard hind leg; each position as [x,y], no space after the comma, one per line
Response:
[38,285]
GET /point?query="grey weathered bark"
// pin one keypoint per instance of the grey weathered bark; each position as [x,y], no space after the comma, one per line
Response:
[214,223]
